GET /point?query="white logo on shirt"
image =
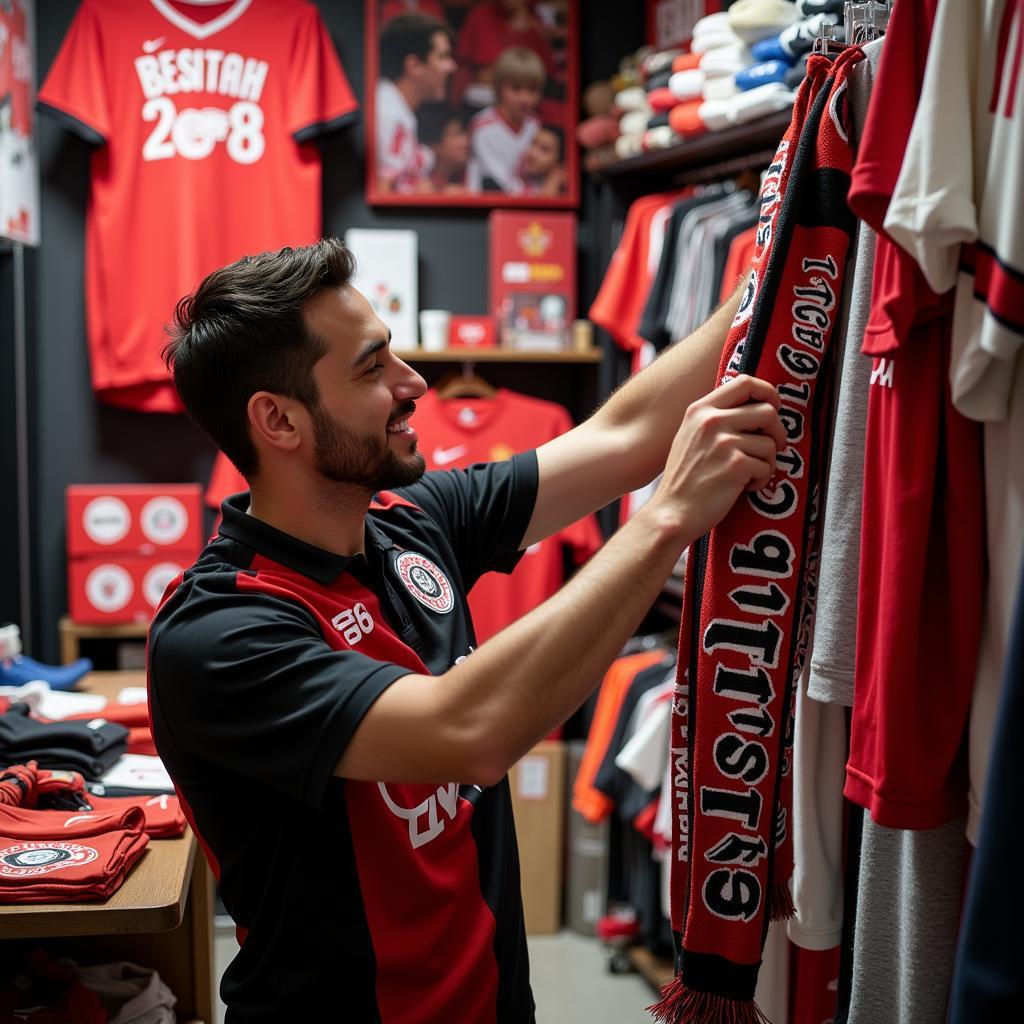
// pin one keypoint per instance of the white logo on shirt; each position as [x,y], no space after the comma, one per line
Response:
[79,817]
[425,823]
[152,45]
[353,623]
[882,372]
[442,456]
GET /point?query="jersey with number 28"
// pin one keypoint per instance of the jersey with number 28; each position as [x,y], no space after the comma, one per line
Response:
[202,117]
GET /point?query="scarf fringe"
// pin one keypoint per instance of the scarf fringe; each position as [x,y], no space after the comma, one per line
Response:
[682,1005]
[782,906]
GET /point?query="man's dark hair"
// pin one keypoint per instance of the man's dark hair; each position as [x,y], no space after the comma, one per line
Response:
[243,330]
[408,34]
[432,119]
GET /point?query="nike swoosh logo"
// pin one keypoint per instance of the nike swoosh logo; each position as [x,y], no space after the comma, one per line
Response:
[79,817]
[442,456]
[152,45]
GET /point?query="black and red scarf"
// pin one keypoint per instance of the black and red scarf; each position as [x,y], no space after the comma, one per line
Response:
[750,584]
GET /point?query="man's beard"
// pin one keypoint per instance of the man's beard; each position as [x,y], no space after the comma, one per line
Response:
[361,459]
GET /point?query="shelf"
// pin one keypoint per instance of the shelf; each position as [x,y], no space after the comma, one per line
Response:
[152,899]
[497,355]
[731,142]
[657,972]
[71,634]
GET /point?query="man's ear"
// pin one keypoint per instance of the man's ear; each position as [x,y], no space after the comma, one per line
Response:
[274,420]
[411,64]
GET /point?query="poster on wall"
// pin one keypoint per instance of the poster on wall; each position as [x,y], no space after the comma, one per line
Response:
[19,174]
[472,102]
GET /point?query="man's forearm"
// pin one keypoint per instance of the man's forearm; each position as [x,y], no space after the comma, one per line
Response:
[569,640]
[650,406]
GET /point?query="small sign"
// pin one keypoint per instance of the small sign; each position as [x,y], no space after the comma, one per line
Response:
[532,778]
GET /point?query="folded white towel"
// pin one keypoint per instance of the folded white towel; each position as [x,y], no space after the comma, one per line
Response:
[764,99]
[752,20]
[723,88]
[726,60]
[687,85]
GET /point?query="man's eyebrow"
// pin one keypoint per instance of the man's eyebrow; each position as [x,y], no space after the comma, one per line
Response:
[372,349]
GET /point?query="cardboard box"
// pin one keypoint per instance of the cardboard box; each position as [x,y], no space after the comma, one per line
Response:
[533,277]
[472,332]
[133,519]
[121,588]
[538,801]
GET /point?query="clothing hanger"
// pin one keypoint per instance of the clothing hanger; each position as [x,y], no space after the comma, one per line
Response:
[464,383]
[866,20]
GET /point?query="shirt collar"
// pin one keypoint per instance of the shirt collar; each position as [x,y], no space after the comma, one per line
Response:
[307,559]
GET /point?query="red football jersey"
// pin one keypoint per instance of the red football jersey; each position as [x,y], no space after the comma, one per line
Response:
[458,432]
[202,117]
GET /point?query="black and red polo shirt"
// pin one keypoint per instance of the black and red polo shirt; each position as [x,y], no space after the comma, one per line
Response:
[354,901]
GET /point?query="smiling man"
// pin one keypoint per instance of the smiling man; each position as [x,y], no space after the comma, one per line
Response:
[339,746]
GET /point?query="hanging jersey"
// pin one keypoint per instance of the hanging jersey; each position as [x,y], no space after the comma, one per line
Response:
[460,432]
[202,119]
[498,148]
[958,204]
[401,158]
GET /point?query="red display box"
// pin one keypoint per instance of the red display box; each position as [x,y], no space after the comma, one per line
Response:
[472,332]
[121,588]
[139,519]
[533,277]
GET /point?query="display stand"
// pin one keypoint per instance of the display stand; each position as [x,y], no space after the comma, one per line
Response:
[161,917]
[72,634]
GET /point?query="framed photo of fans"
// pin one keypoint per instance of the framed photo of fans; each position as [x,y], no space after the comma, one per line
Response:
[472,103]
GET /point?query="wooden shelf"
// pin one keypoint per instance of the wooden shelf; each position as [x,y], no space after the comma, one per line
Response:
[71,634]
[497,355]
[152,899]
[715,146]
[657,972]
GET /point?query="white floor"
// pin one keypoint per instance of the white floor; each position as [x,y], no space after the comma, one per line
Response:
[569,980]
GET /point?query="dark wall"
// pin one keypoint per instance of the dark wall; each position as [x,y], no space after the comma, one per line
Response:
[75,439]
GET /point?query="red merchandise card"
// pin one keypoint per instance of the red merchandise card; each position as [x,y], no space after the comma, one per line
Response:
[133,518]
[533,277]
[121,588]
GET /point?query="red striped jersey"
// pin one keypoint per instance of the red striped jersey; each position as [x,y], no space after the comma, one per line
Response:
[202,118]
[382,900]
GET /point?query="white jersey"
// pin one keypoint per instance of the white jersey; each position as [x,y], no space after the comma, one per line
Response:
[959,206]
[498,150]
[401,158]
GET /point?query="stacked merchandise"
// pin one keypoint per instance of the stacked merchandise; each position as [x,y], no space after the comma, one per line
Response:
[125,544]
[742,64]
[76,808]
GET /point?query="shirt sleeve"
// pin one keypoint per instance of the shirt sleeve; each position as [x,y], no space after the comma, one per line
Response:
[483,511]
[245,680]
[75,88]
[321,97]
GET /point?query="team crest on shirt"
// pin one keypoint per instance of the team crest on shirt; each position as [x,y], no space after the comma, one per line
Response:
[425,581]
[42,857]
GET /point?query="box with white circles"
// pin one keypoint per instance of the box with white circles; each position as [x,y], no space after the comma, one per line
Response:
[141,519]
[121,588]
[125,544]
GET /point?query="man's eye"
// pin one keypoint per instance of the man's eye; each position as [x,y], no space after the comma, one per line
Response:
[375,368]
